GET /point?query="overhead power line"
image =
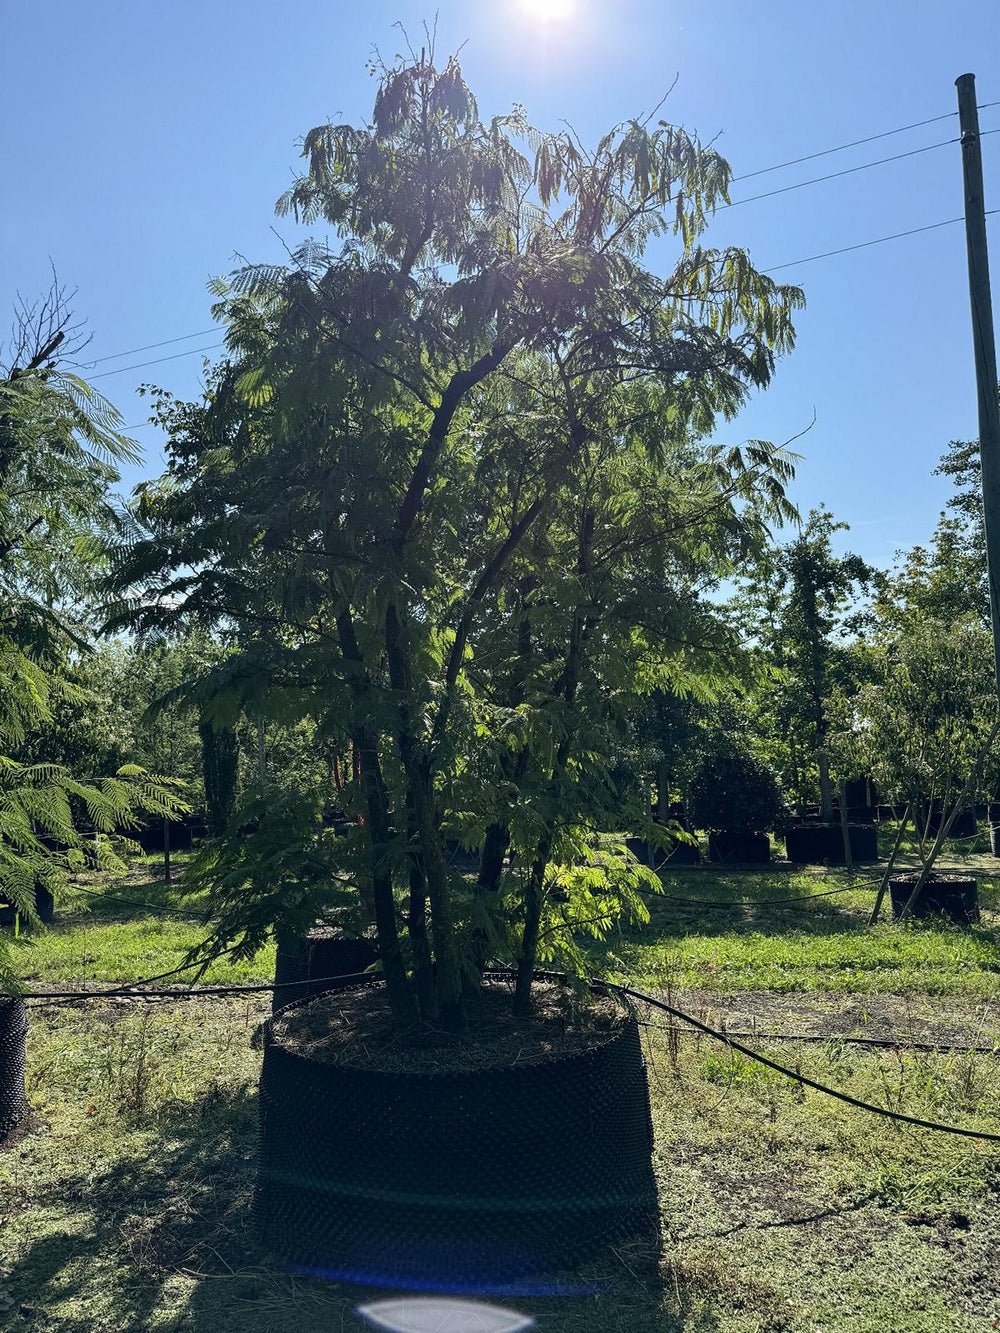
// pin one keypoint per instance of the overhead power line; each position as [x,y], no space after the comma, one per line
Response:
[855,143]
[834,175]
[736,203]
[147,347]
[773,268]
[140,365]
[878,240]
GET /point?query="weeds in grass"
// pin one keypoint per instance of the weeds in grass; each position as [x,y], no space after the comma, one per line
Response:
[127,1073]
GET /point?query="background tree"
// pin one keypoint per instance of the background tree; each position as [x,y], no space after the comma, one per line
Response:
[802,604]
[59,442]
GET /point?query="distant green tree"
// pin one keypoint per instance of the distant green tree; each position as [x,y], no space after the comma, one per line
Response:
[803,610]
[733,792]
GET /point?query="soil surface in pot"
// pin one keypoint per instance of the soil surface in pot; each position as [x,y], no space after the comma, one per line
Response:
[354,1028]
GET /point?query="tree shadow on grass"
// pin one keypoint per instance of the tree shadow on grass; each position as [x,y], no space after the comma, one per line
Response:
[769,903]
[165,1240]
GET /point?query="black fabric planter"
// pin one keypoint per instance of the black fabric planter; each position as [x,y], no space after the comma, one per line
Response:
[45,904]
[816,844]
[453,1177]
[151,839]
[680,854]
[322,957]
[958,899]
[963,827]
[13,1033]
[462,860]
[739,848]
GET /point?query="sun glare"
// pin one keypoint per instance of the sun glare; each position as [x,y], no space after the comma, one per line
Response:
[547,11]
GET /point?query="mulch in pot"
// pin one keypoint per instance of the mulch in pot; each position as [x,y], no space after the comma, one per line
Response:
[354,1028]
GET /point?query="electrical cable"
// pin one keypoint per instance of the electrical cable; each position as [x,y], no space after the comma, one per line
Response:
[857,143]
[140,365]
[761,171]
[146,347]
[863,245]
[847,171]
[840,148]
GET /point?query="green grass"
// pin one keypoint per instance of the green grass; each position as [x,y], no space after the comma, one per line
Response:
[102,936]
[127,1208]
[127,1205]
[822,944]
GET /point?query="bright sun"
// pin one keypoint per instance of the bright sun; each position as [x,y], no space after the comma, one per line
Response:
[548,11]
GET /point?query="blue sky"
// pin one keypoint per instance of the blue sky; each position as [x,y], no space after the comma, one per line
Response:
[144,145]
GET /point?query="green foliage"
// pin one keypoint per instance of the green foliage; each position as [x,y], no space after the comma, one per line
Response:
[281,870]
[802,607]
[923,720]
[58,443]
[733,792]
[451,499]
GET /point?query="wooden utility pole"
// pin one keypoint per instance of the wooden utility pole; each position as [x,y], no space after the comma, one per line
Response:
[984,341]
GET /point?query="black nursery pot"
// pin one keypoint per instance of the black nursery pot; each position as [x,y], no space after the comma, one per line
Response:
[739,848]
[957,899]
[45,904]
[447,1178]
[13,1035]
[963,827]
[321,957]
[680,854]
[816,844]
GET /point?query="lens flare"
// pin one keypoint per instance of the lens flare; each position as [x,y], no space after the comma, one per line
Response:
[442,1314]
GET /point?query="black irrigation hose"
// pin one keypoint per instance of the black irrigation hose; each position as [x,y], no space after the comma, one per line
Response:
[755,902]
[127,990]
[794,1075]
[156,908]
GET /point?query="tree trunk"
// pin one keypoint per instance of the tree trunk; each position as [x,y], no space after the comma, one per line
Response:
[368,770]
[401,999]
[662,791]
[416,922]
[845,828]
[420,791]
[825,788]
[220,759]
[887,874]
[528,955]
[568,685]
[491,860]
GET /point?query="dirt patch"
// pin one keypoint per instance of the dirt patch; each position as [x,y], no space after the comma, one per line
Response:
[354,1028]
